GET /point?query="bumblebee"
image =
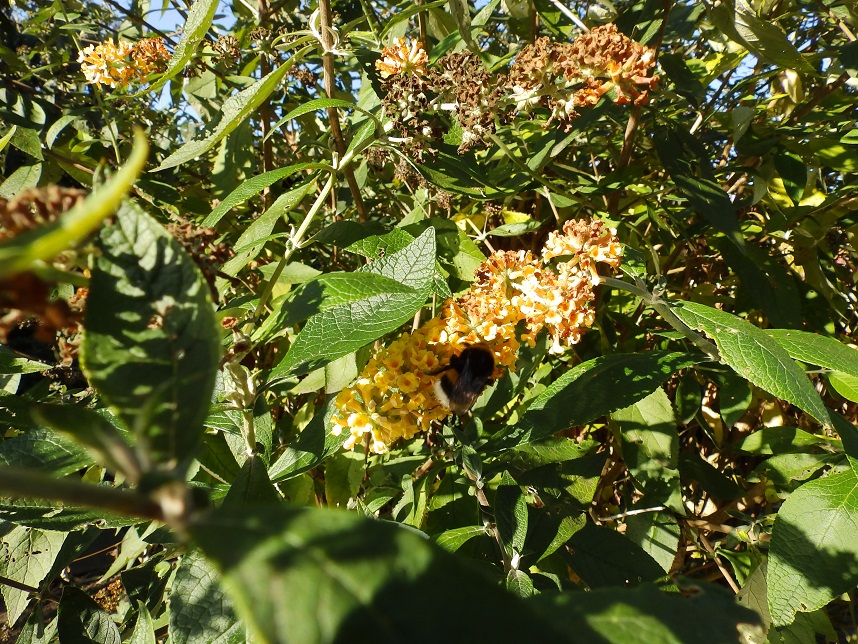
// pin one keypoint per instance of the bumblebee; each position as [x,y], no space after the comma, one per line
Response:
[464,379]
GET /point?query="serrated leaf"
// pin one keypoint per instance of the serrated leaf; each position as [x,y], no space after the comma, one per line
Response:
[40,448]
[324,293]
[200,611]
[234,111]
[519,584]
[595,388]
[813,555]
[144,629]
[252,187]
[151,346]
[817,349]
[196,27]
[45,242]
[341,330]
[26,556]
[273,558]
[81,620]
[754,355]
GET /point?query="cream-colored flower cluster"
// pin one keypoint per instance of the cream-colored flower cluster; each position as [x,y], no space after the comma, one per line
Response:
[122,64]
[394,396]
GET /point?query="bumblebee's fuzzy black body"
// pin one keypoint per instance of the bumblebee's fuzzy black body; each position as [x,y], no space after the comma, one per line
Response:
[474,368]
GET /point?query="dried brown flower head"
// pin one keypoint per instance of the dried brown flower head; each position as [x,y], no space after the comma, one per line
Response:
[35,207]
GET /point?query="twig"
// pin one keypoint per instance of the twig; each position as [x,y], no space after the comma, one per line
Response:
[566,12]
[662,308]
[333,116]
[21,483]
[631,513]
[17,584]
[718,562]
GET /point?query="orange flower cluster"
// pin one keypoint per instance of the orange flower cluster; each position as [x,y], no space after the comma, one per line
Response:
[403,57]
[122,64]
[394,397]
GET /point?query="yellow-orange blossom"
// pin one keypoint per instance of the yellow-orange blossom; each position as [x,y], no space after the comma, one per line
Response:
[393,398]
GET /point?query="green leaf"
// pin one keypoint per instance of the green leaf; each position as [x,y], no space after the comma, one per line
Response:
[768,42]
[658,534]
[646,615]
[844,384]
[151,346]
[26,556]
[252,240]
[81,620]
[510,509]
[93,431]
[542,452]
[734,397]
[344,473]
[200,610]
[11,362]
[343,329]
[598,387]
[779,440]
[813,555]
[685,161]
[319,104]
[514,230]
[234,111]
[4,141]
[251,486]
[144,629]
[45,242]
[754,355]
[603,557]
[312,575]
[452,540]
[26,176]
[40,448]
[36,631]
[650,444]
[519,583]
[252,187]
[324,293]
[792,172]
[196,27]
[313,446]
[817,349]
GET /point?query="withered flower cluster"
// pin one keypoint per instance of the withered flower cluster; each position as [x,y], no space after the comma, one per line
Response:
[561,77]
[394,397]
[24,297]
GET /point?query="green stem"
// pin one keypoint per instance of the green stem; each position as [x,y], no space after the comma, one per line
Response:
[295,244]
[20,483]
[663,309]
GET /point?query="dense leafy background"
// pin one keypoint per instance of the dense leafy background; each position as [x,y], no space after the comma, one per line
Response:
[686,473]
